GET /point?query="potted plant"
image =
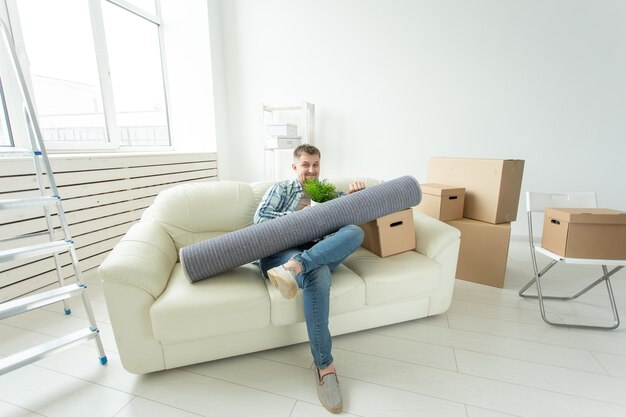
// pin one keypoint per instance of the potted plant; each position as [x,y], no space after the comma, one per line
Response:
[319,191]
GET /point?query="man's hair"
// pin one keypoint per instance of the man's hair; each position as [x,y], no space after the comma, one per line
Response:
[308,149]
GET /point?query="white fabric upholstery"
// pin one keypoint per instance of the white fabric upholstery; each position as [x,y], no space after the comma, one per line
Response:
[161,320]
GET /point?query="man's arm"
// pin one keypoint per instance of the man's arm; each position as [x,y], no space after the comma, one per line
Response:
[268,208]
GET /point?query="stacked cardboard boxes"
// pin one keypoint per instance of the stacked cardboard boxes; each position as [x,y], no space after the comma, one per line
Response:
[492,189]
[282,136]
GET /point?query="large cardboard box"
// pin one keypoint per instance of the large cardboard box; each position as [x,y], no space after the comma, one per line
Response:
[585,233]
[390,234]
[492,186]
[441,201]
[484,251]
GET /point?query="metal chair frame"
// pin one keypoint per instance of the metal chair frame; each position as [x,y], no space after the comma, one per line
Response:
[537,202]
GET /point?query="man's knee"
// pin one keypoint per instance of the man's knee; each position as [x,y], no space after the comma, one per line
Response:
[354,234]
[320,278]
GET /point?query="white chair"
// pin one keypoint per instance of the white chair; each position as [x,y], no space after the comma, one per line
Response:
[538,202]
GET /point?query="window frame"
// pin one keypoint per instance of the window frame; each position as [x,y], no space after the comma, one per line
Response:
[104,75]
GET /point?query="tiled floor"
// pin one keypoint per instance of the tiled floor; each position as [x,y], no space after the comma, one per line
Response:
[490,355]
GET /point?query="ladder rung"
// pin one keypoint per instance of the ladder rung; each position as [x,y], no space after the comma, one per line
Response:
[15,203]
[31,302]
[35,353]
[35,250]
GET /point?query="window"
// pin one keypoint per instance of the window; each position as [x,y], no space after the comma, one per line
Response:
[96,71]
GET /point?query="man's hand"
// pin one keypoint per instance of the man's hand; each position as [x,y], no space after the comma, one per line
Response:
[356,186]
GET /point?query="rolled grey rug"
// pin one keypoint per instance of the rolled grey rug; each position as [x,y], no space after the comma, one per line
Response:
[211,257]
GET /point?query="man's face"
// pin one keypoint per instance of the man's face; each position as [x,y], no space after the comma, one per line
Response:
[306,167]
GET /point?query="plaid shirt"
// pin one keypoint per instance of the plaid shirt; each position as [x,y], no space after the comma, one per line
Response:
[279,200]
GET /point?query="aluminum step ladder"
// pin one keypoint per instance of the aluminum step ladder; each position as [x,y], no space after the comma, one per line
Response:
[60,240]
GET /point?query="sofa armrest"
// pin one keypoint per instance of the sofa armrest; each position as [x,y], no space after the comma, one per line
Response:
[144,258]
[433,236]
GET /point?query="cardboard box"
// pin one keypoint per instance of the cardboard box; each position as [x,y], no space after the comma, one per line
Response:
[282,142]
[441,201]
[585,233]
[484,251]
[281,129]
[492,186]
[390,234]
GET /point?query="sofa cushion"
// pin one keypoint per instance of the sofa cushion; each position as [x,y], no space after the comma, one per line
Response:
[347,293]
[234,301]
[398,277]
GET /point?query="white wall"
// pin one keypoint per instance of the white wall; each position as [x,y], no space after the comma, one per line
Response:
[187,54]
[396,82]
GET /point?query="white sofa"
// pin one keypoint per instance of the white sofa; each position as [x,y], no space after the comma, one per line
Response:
[161,320]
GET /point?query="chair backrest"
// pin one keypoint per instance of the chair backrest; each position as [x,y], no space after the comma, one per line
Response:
[536,202]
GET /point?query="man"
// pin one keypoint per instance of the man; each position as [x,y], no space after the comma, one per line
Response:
[309,266]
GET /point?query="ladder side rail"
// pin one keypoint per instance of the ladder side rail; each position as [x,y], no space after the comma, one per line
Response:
[39,154]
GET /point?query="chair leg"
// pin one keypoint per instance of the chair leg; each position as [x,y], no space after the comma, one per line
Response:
[534,279]
[605,277]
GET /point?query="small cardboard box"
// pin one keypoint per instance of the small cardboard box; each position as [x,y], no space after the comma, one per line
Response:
[484,251]
[390,234]
[282,142]
[492,186]
[585,233]
[441,201]
[281,129]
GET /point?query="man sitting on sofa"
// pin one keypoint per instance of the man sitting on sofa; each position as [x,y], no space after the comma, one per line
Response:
[309,266]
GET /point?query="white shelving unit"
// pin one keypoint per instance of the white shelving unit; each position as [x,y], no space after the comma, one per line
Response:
[303,115]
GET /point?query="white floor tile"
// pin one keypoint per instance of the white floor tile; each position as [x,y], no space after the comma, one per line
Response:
[303,409]
[53,394]
[140,407]
[360,397]
[505,397]
[481,412]
[497,312]
[13,339]
[544,377]
[615,365]
[178,388]
[397,348]
[498,346]
[297,355]
[542,333]
[9,410]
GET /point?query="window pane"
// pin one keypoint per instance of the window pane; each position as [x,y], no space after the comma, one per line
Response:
[5,130]
[59,44]
[135,61]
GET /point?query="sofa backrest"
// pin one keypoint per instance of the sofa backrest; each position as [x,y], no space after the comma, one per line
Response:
[194,212]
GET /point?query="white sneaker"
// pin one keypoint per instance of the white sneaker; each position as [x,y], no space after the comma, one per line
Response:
[283,280]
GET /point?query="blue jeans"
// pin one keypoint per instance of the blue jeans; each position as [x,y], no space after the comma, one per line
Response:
[318,260]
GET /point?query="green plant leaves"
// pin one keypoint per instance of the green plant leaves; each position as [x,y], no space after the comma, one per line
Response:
[320,191]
